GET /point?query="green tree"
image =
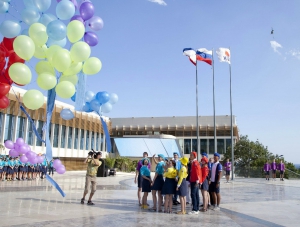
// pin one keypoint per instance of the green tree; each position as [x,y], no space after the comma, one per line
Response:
[2,148]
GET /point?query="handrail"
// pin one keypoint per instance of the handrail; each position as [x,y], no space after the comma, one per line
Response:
[293,172]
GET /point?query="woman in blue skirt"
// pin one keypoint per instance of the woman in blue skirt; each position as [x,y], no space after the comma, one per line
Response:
[5,165]
[10,169]
[1,167]
[169,188]
[158,182]
[30,171]
[146,184]
[182,187]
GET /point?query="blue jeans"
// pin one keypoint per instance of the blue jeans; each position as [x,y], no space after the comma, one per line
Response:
[195,196]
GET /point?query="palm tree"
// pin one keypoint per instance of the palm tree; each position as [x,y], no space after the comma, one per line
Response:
[2,148]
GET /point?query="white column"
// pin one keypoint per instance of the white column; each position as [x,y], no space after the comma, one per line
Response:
[52,134]
[25,129]
[59,137]
[3,128]
[90,140]
[104,142]
[79,139]
[95,140]
[73,138]
[84,140]
[34,136]
[100,146]
[67,141]
[14,132]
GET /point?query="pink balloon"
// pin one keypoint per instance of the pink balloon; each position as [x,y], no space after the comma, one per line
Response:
[24,159]
[20,141]
[61,169]
[56,163]
[9,144]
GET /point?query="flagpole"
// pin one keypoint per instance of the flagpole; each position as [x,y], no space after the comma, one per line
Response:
[197,120]
[215,131]
[232,143]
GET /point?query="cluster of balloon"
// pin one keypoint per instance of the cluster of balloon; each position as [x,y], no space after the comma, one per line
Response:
[59,167]
[45,39]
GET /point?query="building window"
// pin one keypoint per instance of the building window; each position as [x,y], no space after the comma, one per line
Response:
[87,140]
[181,144]
[211,146]
[97,141]
[21,127]
[63,137]
[76,138]
[194,145]
[93,140]
[101,143]
[203,146]
[220,146]
[9,127]
[30,133]
[127,133]
[81,139]
[228,143]
[55,136]
[149,132]
[187,146]
[40,132]
[70,137]
[1,122]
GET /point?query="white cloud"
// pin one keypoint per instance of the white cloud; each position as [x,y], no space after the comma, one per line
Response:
[160,2]
[295,53]
[275,46]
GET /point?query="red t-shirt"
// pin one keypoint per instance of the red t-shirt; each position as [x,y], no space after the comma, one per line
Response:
[196,174]
[205,172]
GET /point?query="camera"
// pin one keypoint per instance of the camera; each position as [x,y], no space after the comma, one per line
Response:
[94,153]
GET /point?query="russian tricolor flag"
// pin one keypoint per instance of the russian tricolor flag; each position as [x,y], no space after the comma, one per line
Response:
[201,54]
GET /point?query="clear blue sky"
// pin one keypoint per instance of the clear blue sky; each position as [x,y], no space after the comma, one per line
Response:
[141,50]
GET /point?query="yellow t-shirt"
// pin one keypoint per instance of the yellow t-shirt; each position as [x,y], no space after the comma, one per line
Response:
[171,173]
[92,168]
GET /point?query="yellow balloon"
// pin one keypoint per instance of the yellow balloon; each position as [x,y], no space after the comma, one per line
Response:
[20,73]
[92,66]
[38,34]
[73,79]
[61,60]
[46,81]
[51,51]
[40,51]
[73,69]
[24,47]
[75,31]
[80,51]
[44,66]
[65,89]
[33,99]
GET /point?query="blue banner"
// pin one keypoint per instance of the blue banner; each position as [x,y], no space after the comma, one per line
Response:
[107,137]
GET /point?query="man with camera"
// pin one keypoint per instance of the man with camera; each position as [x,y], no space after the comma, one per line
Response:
[91,175]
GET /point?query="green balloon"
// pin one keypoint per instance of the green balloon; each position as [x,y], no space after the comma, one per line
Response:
[61,60]
[20,73]
[80,51]
[24,47]
[33,99]
[44,66]
[73,79]
[65,89]
[75,31]
[73,69]
[92,66]
[38,34]
[46,81]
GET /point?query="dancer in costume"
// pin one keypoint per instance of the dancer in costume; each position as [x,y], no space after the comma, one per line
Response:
[146,183]
[169,188]
[182,187]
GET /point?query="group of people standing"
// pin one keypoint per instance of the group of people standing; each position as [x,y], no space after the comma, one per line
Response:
[183,177]
[12,169]
[274,167]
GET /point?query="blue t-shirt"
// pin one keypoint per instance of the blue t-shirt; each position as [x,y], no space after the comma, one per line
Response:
[11,163]
[178,165]
[44,163]
[160,168]
[51,164]
[145,171]
[1,163]
[6,163]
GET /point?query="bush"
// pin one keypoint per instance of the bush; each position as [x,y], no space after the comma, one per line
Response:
[110,162]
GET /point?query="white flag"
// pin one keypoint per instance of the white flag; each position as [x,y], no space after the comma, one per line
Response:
[223,55]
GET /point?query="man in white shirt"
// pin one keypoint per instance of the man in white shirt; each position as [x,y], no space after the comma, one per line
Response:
[214,184]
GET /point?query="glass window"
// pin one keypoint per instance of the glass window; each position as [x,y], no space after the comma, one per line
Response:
[9,127]
[194,145]
[211,146]
[203,145]
[30,133]
[181,144]
[1,122]
[228,143]
[40,132]
[149,132]
[70,137]
[220,146]
[81,139]
[55,138]
[93,140]
[97,141]
[187,146]
[87,140]
[76,138]
[20,127]
[101,143]
[63,137]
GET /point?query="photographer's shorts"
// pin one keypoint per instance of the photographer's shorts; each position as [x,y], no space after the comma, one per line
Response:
[88,181]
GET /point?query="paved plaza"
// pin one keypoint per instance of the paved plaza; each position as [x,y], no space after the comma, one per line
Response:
[245,202]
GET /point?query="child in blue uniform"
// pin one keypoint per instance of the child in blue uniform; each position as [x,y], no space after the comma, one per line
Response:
[1,167]
[43,169]
[146,184]
[16,168]
[22,171]
[51,167]
[10,169]
[158,182]
[30,171]
[5,166]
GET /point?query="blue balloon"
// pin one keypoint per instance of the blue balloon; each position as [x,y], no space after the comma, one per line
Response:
[102,97]
[28,3]
[10,29]
[4,7]
[73,98]
[95,105]
[65,10]
[89,96]
[87,107]
[113,98]
[106,108]
[42,5]
[61,43]
[30,15]
[56,30]
[46,18]
[66,114]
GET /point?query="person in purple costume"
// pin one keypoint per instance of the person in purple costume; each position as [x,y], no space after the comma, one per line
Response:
[267,168]
[281,168]
[274,168]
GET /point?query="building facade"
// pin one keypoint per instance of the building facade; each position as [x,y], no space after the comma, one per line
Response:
[183,128]
[70,140]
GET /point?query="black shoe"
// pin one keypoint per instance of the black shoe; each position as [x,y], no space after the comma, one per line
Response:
[201,205]
[175,203]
